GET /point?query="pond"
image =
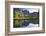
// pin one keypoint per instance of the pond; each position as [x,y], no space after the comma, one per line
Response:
[25,23]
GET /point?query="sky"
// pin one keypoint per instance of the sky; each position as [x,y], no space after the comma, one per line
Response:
[31,10]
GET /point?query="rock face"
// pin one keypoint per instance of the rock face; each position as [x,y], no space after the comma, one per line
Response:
[25,12]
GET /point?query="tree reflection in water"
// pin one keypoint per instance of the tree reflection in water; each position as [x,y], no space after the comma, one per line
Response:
[24,22]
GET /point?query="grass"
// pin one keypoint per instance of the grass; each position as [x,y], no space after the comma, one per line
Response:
[25,17]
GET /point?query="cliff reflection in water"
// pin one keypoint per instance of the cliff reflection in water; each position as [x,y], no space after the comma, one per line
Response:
[25,23]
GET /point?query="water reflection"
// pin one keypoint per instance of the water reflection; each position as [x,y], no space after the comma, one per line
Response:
[25,23]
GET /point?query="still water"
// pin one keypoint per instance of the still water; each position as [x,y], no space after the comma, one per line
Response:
[26,23]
